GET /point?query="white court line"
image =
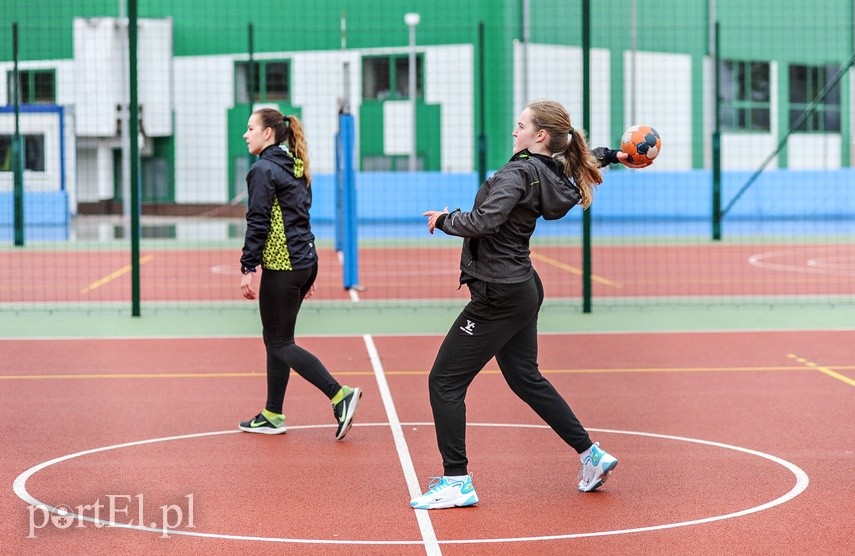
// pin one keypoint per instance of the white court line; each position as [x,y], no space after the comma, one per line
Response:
[425,524]
[801,483]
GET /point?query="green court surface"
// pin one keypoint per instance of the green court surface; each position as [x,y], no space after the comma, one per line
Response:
[336,319]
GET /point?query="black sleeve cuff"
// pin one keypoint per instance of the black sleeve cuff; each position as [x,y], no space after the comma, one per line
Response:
[605,155]
[441,220]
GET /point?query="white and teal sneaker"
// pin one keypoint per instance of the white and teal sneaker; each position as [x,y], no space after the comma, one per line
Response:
[596,466]
[446,492]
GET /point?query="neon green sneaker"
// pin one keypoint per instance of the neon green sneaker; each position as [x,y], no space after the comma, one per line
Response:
[345,408]
[262,425]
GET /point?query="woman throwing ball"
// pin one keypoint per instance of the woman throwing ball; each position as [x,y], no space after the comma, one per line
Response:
[279,239]
[550,172]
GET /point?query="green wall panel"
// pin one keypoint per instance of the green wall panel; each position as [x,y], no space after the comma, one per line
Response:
[428,133]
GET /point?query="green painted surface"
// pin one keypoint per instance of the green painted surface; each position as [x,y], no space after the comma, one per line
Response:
[428,134]
[322,319]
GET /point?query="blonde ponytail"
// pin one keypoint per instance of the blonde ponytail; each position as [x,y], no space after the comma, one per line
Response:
[569,146]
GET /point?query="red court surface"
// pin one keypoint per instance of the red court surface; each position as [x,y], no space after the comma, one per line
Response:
[641,271]
[736,443]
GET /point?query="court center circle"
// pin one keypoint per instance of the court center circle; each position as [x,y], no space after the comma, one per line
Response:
[802,480]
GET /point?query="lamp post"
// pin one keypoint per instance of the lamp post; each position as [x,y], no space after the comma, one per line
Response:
[412,20]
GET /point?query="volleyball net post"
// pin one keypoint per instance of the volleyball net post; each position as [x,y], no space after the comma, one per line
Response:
[346,226]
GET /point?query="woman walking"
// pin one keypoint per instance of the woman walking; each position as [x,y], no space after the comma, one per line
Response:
[279,239]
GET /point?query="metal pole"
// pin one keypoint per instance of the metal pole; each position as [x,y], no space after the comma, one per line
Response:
[586,124]
[526,37]
[716,141]
[633,83]
[17,145]
[133,129]
[345,68]
[482,110]
[250,68]
[412,19]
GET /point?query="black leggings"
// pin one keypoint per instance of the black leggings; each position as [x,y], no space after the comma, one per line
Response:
[281,294]
[500,320]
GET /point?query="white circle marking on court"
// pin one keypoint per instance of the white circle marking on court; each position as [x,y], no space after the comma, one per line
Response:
[837,260]
[802,480]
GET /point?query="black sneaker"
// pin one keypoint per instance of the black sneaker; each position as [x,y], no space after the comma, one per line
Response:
[262,425]
[345,410]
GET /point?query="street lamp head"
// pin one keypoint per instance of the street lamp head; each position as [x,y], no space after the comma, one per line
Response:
[412,19]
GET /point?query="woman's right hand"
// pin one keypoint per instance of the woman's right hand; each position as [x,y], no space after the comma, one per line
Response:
[246,287]
[433,216]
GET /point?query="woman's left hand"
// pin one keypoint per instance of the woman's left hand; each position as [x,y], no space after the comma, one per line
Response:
[433,215]
[311,292]
[246,285]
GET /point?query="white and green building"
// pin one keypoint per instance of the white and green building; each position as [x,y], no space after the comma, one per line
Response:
[204,65]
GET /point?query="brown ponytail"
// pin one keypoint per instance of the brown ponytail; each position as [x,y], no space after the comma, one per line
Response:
[288,130]
[568,146]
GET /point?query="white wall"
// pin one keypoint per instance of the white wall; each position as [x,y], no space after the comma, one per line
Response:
[662,98]
[554,72]
[154,68]
[449,72]
[100,74]
[204,92]
[808,151]
[316,87]
[100,79]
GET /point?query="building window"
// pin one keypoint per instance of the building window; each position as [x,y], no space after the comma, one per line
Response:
[806,82]
[745,94]
[388,77]
[34,153]
[35,86]
[262,81]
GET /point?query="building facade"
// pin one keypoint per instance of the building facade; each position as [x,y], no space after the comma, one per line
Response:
[203,67]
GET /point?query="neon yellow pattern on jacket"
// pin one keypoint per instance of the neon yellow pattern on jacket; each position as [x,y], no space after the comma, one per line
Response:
[276,255]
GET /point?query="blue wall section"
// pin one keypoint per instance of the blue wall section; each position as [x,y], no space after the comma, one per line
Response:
[45,215]
[679,202]
[623,195]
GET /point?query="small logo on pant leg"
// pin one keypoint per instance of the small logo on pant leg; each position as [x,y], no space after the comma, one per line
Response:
[469,328]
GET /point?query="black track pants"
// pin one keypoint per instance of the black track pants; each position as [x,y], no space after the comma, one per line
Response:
[500,320]
[281,294]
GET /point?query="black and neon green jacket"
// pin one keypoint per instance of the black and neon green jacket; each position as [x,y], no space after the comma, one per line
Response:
[278,233]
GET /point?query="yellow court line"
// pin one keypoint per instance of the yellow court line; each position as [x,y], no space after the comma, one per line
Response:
[113,275]
[399,373]
[822,369]
[128,375]
[573,270]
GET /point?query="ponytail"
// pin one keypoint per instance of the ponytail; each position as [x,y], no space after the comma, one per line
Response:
[581,165]
[288,130]
[569,146]
[297,145]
